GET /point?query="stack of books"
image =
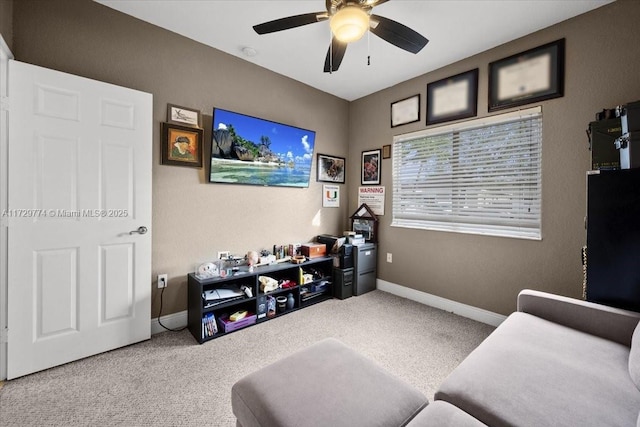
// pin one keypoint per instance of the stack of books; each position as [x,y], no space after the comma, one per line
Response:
[209,325]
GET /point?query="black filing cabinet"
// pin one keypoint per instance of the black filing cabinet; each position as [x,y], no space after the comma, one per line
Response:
[365,259]
[342,282]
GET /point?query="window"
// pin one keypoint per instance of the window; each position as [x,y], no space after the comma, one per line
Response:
[481,176]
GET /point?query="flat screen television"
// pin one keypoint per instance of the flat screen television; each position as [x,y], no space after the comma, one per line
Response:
[249,150]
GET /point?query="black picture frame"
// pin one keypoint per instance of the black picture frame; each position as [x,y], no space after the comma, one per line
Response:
[527,77]
[173,150]
[371,163]
[330,169]
[405,111]
[453,98]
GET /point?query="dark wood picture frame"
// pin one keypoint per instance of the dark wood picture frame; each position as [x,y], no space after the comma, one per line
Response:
[183,116]
[530,76]
[364,221]
[405,111]
[453,98]
[386,151]
[180,145]
[330,169]
[371,163]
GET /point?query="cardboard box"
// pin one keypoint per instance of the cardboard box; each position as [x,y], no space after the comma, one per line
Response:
[314,250]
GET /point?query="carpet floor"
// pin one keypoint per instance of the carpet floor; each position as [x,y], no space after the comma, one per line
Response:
[171,380]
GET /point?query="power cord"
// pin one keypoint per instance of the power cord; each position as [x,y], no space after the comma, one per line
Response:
[160,314]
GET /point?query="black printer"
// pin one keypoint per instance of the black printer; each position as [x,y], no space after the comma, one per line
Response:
[342,252]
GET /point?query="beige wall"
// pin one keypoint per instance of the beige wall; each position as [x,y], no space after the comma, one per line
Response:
[6,22]
[192,219]
[602,69]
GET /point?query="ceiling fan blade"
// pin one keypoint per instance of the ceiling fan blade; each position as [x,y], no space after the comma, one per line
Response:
[334,55]
[290,22]
[397,34]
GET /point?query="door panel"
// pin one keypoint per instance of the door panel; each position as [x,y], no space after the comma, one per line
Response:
[79,182]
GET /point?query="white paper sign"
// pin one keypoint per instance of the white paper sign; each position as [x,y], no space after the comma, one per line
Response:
[330,196]
[373,196]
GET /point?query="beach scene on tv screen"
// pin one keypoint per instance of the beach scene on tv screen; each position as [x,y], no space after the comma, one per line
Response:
[249,150]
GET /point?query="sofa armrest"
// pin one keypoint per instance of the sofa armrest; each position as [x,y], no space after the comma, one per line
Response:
[611,323]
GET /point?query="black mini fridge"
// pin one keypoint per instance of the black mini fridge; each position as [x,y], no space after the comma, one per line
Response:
[365,260]
[613,238]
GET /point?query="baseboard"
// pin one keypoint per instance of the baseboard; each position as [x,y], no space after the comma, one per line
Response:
[458,308]
[179,320]
[172,321]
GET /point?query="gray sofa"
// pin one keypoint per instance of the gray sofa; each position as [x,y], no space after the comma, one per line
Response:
[556,361]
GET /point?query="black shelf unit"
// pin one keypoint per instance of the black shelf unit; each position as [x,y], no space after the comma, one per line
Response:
[304,295]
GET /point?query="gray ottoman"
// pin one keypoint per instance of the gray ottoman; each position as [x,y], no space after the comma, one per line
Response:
[443,414]
[326,384]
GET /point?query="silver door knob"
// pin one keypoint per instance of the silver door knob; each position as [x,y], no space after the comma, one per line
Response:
[141,230]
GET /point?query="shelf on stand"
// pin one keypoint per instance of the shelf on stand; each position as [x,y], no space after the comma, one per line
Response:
[200,314]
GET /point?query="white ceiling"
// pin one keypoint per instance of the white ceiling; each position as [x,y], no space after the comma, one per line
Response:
[456,29]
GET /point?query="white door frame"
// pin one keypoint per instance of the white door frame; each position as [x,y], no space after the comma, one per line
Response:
[5,56]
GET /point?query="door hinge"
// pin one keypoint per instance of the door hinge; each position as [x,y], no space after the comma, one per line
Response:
[4,103]
[4,336]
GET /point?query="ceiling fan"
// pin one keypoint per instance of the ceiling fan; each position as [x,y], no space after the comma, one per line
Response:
[349,20]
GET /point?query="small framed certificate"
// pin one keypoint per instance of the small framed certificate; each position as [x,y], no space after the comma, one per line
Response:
[405,111]
[453,98]
[531,76]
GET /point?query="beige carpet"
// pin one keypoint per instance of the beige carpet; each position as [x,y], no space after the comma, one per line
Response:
[171,380]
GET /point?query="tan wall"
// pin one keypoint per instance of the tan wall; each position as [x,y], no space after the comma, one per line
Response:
[6,22]
[602,68]
[192,219]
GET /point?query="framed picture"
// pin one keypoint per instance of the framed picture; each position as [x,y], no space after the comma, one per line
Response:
[386,151]
[531,76]
[330,169]
[371,167]
[183,116]
[453,98]
[405,111]
[181,145]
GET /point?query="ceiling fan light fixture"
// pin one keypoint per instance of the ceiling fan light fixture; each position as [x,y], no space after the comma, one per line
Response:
[349,24]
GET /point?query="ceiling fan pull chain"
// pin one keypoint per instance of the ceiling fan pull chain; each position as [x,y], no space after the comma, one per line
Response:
[368,47]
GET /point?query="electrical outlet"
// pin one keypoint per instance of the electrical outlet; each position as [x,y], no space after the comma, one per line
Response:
[389,257]
[163,280]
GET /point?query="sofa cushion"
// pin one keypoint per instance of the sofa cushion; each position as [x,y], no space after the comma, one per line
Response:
[326,384]
[443,414]
[634,357]
[533,372]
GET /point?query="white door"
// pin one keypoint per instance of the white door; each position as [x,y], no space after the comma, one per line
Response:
[79,283]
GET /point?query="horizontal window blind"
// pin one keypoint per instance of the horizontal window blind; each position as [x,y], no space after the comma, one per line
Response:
[481,176]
